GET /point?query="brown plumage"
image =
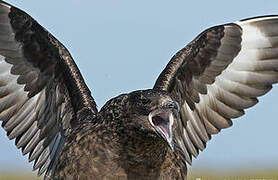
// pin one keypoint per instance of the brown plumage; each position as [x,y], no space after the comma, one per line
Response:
[123,144]
[147,134]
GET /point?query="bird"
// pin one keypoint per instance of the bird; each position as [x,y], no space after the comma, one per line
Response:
[48,109]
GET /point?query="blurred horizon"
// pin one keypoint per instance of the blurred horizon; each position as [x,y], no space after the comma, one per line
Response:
[203,175]
[121,46]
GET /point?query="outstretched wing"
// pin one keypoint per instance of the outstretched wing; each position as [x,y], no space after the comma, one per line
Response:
[41,89]
[218,75]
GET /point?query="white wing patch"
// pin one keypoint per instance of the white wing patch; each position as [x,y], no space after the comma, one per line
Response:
[250,75]
[20,115]
[33,121]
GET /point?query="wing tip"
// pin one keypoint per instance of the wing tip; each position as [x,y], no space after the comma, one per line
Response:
[260,17]
[3,3]
[256,18]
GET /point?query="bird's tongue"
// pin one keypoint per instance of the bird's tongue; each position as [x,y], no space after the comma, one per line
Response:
[165,129]
[162,122]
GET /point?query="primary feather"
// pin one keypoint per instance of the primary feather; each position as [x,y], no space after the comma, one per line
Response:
[47,107]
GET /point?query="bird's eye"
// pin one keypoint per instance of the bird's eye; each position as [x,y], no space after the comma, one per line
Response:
[172,104]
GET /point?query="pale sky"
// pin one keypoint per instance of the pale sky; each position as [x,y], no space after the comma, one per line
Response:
[123,45]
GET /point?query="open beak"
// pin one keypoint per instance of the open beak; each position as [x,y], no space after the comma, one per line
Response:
[162,120]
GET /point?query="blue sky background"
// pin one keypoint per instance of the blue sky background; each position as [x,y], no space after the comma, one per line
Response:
[123,45]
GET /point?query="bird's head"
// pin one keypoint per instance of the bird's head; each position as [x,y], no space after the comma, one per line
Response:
[154,113]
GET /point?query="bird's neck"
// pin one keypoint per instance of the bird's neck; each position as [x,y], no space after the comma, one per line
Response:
[139,154]
[141,149]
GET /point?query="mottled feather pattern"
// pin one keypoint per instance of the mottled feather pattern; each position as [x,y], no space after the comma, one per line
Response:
[241,68]
[35,105]
[120,153]
[146,134]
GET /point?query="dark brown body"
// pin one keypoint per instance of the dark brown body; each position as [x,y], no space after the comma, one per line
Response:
[48,109]
[108,150]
